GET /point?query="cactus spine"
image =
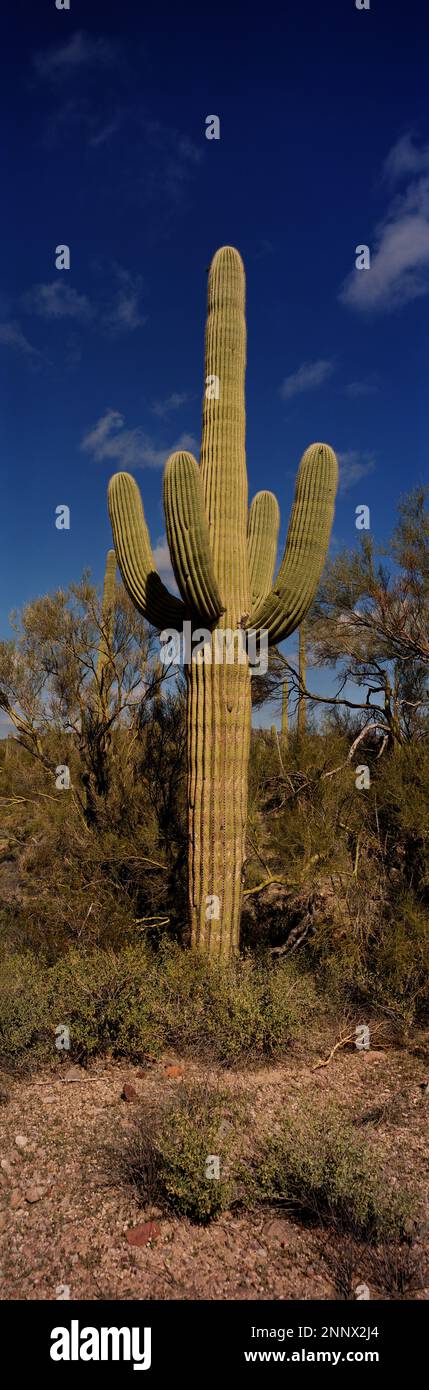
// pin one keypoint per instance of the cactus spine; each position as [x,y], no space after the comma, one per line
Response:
[223,561]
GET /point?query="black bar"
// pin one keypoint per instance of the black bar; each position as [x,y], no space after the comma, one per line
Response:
[200,1340]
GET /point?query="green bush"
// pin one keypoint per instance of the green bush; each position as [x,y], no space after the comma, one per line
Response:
[316,1168]
[106,1000]
[25,1025]
[322,1172]
[356,866]
[98,995]
[232,1013]
[140,1000]
[166,1157]
[381,963]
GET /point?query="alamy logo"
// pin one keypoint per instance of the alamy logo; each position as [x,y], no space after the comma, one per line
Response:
[229,645]
[76,1343]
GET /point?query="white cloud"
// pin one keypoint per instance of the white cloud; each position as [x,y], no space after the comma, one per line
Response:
[130,448]
[365,387]
[187,149]
[171,160]
[11,335]
[58,300]
[169,141]
[307,377]
[101,135]
[73,351]
[353,466]
[405,158]
[119,310]
[80,51]
[123,314]
[399,271]
[173,402]
[81,115]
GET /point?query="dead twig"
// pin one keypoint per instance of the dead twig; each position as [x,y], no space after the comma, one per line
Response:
[342,1042]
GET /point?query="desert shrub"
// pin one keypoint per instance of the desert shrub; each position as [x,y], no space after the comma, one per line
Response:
[140,1000]
[345,1263]
[353,895]
[65,881]
[232,1013]
[320,1170]
[400,961]
[394,1266]
[98,995]
[316,1168]
[381,960]
[166,1156]
[355,866]
[399,1270]
[24,1013]
[106,1000]
[403,814]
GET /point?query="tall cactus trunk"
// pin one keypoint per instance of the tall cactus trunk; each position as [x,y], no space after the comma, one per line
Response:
[218,743]
[219,703]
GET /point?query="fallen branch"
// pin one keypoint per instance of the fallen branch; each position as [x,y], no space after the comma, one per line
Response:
[342,1042]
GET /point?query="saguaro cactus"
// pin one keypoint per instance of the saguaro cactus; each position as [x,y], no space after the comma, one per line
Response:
[223,561]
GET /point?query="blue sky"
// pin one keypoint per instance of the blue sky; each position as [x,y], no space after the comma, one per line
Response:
[324,146]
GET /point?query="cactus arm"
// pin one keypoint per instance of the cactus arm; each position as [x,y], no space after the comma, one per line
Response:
[306,546]
[188,537]
[262,536]
[135,558]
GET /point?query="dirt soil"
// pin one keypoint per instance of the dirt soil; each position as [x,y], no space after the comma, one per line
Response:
[64,1222]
